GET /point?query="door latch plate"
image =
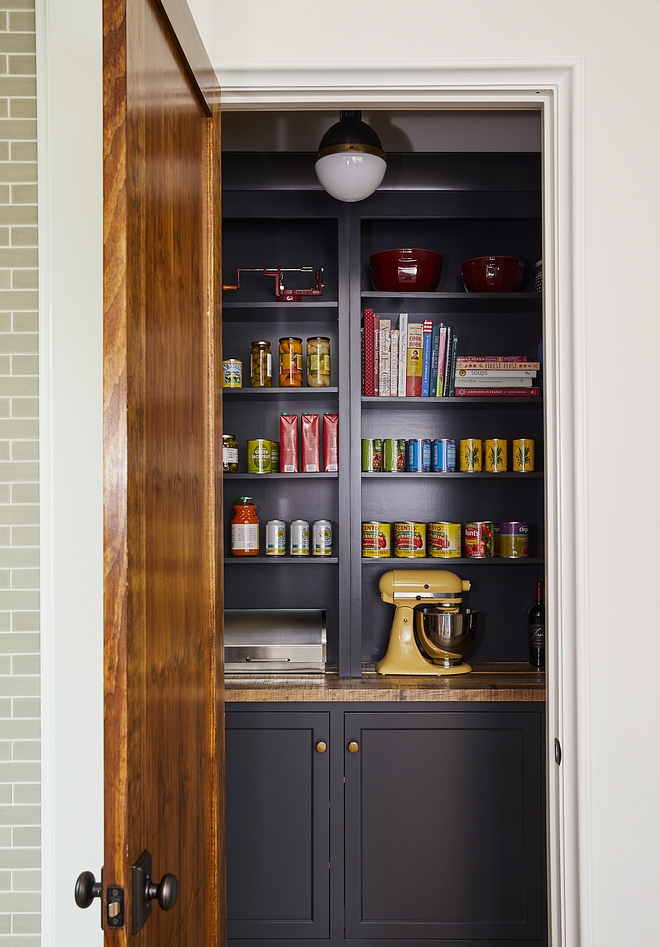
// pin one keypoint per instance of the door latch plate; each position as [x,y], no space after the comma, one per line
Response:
[114,908]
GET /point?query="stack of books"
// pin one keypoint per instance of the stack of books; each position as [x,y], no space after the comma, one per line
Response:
[402,358]
[484,376]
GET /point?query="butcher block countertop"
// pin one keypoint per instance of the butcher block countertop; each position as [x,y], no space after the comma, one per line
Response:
[487,682]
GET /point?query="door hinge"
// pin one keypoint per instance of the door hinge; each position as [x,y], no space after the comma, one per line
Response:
[557,752]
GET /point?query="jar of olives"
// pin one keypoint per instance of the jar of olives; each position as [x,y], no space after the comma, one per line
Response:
[291,362]
[229,453]
[261,362]
[318,362]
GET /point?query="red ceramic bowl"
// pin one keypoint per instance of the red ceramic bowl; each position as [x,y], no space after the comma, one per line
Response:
[406,270]
[493,274]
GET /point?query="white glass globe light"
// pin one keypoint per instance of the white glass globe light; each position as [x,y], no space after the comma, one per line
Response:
[350,176]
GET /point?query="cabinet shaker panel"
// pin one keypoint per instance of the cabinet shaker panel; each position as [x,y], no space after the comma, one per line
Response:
[444,827]
[277,786]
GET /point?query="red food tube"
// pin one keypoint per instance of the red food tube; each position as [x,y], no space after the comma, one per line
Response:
[330,443]
[311,443]
[288,443]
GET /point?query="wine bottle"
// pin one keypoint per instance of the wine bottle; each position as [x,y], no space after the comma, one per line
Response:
[536,618]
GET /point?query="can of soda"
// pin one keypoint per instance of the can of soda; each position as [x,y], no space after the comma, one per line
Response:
[275,538]
[418,455]
[299,538]
[372,454]
[443,457]
[322,538]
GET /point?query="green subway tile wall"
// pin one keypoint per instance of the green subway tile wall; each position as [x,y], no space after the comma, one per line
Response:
[20,786]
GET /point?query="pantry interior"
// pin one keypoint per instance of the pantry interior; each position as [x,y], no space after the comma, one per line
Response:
[361,806]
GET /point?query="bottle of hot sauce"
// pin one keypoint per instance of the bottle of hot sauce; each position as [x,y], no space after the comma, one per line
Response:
[245,528]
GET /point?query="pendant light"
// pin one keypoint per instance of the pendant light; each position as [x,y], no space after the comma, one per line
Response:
[350,163]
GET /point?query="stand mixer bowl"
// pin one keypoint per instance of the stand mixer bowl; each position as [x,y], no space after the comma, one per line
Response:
[445,636]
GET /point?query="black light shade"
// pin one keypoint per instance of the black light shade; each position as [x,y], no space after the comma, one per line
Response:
[350,163]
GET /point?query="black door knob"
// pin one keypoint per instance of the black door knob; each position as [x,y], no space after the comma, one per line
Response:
[87,888]
[165,892]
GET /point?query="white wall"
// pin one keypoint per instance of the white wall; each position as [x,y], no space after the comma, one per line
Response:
[622,149]
[618,42]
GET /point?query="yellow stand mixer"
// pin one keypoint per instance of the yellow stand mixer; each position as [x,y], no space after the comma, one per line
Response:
[444,632]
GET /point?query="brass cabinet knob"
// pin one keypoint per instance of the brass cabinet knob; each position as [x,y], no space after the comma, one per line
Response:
[353,747]
[321,747]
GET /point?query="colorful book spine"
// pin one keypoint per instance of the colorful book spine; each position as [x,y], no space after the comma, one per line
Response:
[368,348]
[452,370]
[492,373]
[493,358]
[446,375]
[376,355]
[435,337]
[414,357]
[493,382]
[384,358]
[442,358]
[394,363]
[403,352]
[426,358]
[462,392]
[473,364]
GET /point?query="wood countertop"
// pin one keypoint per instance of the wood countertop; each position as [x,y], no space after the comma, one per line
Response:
[487,682]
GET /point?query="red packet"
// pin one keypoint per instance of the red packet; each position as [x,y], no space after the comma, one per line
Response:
[288,443]
[311,443]
[330,443]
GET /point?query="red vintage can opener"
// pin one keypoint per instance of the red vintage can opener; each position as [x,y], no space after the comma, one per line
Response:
[283,295]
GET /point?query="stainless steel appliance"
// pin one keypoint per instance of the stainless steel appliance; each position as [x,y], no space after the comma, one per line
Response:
[275,640]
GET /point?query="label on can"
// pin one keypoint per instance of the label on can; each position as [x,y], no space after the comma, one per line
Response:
[523,455]
[410,540]
[299,538]
[322,538]
[376,540]
[482,539]
[401,454]
[471,451]
[444,540]
[418,455]
[259,456]
[514,540]
[390,455]
[496,455]
[275,538]
[232,373]
[372,454]
[443,456]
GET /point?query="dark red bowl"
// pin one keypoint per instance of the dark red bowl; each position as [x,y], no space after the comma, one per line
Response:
[493,274]
[406,270]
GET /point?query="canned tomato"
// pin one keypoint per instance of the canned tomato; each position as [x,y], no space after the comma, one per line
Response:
[482,539]
[514,540]
[259,456]
[444,540]
[275,538]
[523,455]
[372,454]
[376,540]
[410,540]
[496,455]
[299,538]
[443,455]
[418,455]
[322,538]
[232,373]
[471,455]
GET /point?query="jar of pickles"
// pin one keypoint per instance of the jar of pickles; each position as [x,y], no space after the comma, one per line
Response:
[291,362]
[261,362]
[229,453]
[318,362]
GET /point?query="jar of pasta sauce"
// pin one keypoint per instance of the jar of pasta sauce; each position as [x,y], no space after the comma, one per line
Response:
[245,528]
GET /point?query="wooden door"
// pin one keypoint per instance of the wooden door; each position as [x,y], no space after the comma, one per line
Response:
[163,588]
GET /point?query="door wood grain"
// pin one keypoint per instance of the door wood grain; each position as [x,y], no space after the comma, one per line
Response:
[163,587]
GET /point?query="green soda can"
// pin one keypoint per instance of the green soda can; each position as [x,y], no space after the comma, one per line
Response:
[390,453]
[372,455]
[258,456]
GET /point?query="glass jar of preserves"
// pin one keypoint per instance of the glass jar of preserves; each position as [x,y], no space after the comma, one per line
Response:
[318,362]
[229,453]
[245,528]
[291,363]
[261,362]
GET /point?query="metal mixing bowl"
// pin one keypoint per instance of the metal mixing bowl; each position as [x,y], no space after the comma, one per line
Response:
[445,636]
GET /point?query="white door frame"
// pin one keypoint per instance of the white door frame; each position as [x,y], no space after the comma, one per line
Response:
[554,87]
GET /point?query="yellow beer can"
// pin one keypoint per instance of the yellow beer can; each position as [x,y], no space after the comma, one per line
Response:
[523,455]
[497,459]
[471,455]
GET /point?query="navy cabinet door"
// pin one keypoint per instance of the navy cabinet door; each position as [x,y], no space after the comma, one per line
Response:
[278,825]
[444,827]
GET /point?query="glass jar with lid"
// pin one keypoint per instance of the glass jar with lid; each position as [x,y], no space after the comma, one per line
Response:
[291,362]
[245,528]
[318,362]
[229,453]
[261,363]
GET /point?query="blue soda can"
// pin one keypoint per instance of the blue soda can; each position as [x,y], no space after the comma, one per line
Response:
[444,455]
[418,455]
